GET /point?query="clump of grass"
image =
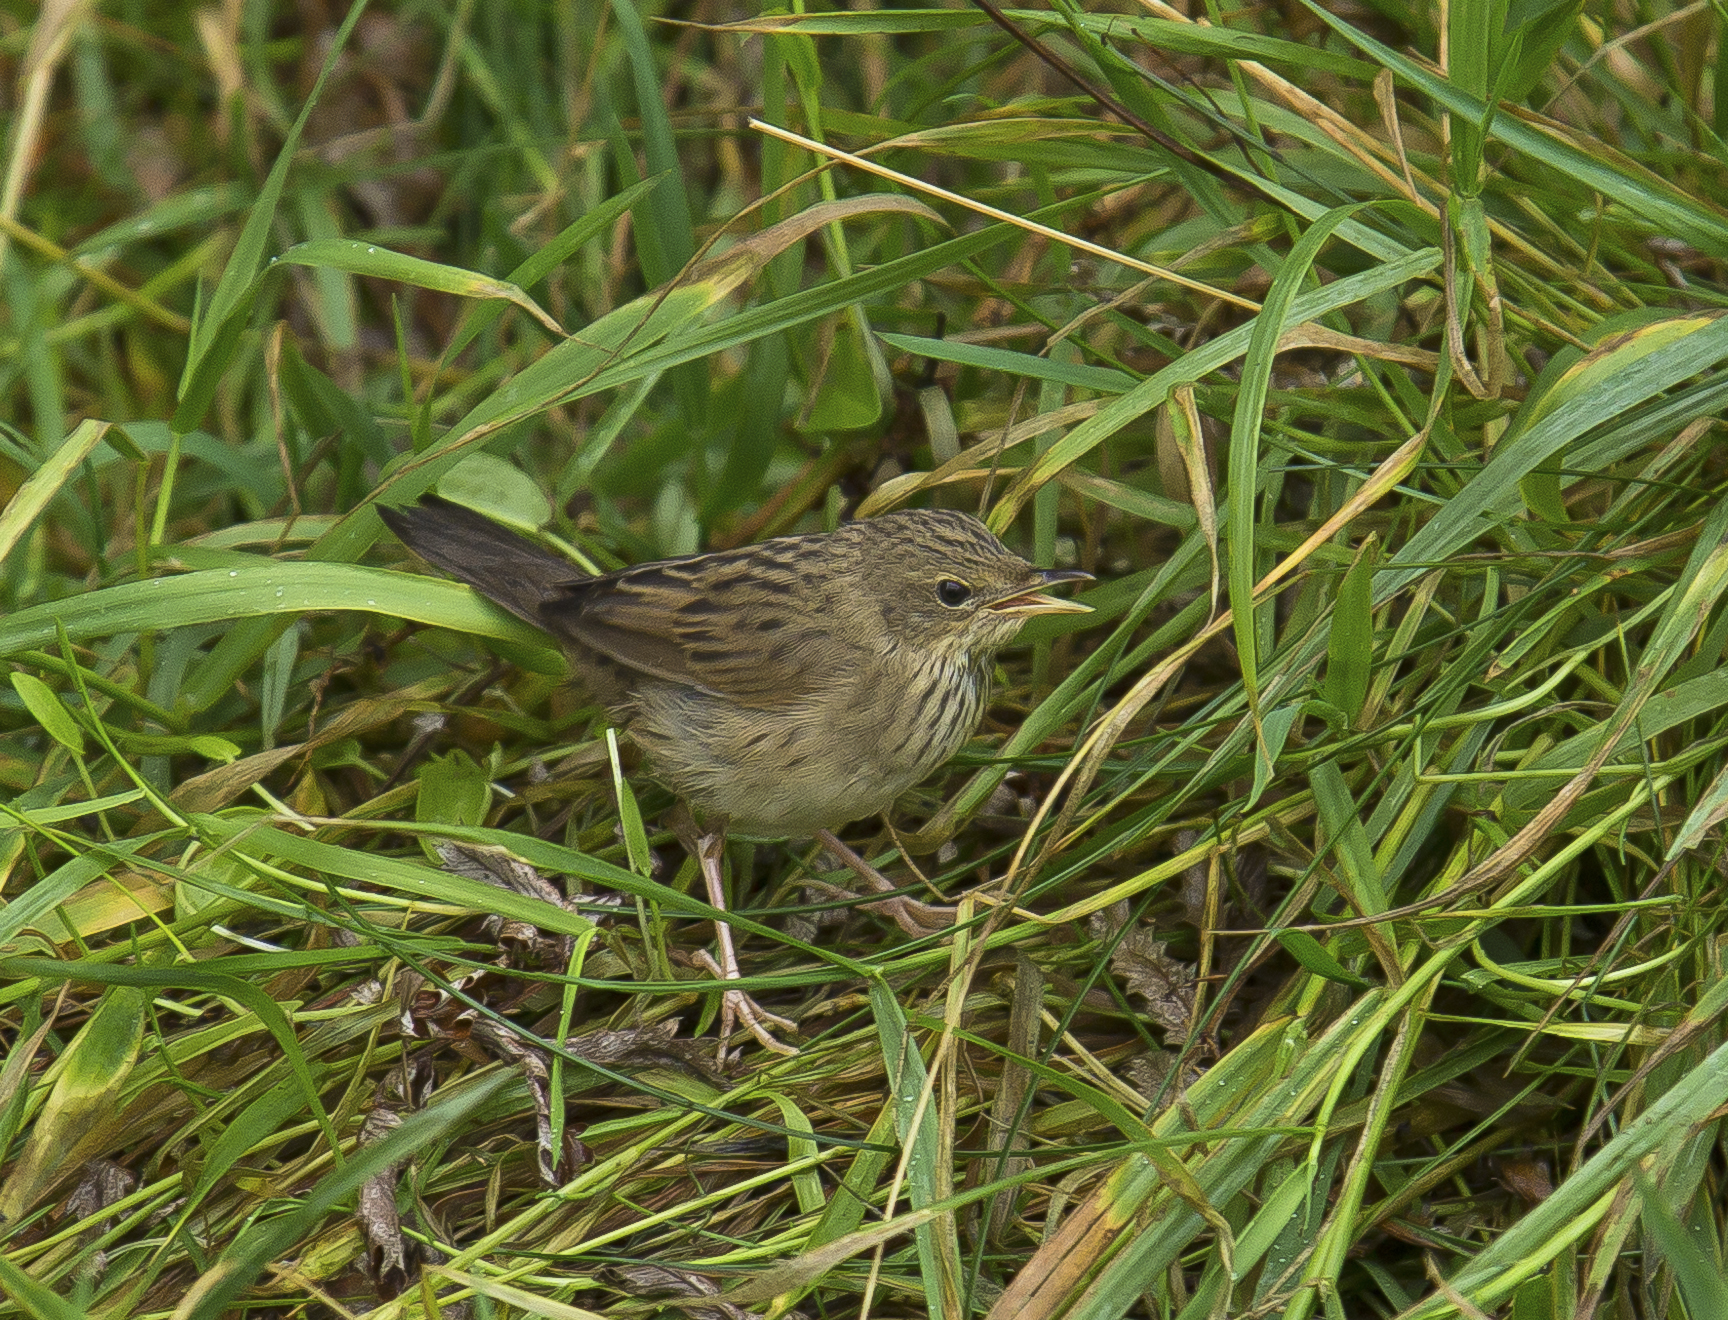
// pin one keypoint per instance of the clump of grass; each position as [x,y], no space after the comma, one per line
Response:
[1339,924]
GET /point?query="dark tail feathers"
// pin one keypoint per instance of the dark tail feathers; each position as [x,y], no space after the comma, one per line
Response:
[496,562]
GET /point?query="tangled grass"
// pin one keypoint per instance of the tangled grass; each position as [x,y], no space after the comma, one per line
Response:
[1340,904]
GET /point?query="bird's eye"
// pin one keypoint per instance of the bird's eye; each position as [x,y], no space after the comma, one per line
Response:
[952,593]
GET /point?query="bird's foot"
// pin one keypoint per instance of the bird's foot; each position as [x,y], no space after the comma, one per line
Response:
[917,919]
[736,1006]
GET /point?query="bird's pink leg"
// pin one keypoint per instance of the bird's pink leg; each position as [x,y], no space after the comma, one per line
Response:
[735,1005]
[915,918]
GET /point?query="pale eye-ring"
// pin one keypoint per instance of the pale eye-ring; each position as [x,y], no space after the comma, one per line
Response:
[953,594]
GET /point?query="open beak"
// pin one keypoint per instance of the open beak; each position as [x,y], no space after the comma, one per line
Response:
[1024,604]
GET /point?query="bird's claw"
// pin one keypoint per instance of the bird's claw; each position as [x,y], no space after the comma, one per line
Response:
[736,1006]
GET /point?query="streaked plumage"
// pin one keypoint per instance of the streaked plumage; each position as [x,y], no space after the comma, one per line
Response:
[790,686]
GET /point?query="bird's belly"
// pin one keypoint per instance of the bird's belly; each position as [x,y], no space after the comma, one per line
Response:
[795,770]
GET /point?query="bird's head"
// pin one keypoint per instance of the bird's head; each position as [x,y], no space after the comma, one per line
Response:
[945,583]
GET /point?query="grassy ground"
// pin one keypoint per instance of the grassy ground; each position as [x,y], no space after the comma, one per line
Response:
[1342,901]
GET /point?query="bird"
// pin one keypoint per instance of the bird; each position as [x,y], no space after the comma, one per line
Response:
[781,689]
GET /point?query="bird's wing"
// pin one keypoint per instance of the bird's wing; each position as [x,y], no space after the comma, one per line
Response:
[735,624]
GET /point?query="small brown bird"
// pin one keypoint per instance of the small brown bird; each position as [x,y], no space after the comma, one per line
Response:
[785,688]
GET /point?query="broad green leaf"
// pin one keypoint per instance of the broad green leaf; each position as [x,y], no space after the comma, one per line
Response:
[1344,832]
[845,393]
[1350,639]
[46,709]
[1312,954]
[355,257]
[26,505]
[453,791]
[497,488]
[629,814]
[271,588]
[89,1079]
